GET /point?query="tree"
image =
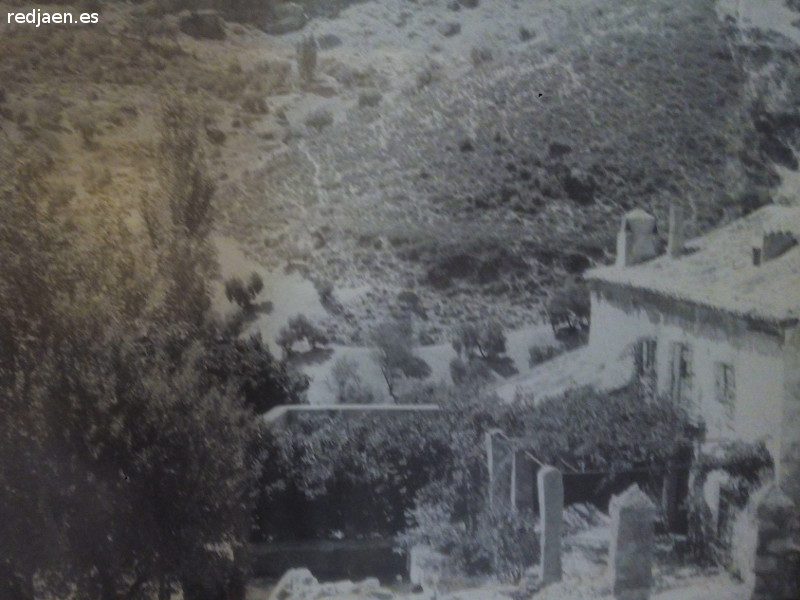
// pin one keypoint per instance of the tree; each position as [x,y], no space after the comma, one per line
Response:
[179,220]
[260,380]
[347,384]
[299,328]
[487,338]
[569,307]
[244,294]
[470,372]
[126,460]
[392,344]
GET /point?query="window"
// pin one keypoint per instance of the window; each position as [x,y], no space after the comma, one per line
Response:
[725,391]
[645,364]
[681,375]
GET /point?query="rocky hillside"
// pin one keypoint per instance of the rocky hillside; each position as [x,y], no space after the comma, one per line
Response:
[466,155]
[489,185]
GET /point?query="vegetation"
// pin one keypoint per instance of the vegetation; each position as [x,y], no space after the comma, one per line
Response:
[486,338]
[299,329]
[243,293]
[539,354]
[346,383]
[393,344]
[569,307]
[433,467]
[746,467]
[130,465]
[307,59]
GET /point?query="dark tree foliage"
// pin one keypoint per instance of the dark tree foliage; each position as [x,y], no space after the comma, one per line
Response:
[487,339]
[128,464]
[588,430]
[569,307]
[261,381]
[392,344]
[243,293]
[298,329]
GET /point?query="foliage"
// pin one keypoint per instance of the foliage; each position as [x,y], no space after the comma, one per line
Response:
[471,372]
[539,354]
[307,59]
[587,430]
[392,344]
[347,384]
[179,222]
[299,328]
[259,379]
[500,542]
[243,293]
[487,338]
[128,457]
[569,307]
[747,466]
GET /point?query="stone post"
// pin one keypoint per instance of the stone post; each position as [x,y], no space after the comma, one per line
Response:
[632,541]
[777,546]
[551,509]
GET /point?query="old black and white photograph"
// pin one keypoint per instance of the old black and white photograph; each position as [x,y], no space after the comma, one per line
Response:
[400,300]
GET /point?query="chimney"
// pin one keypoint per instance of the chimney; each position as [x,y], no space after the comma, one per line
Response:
[676,231]
[636,240]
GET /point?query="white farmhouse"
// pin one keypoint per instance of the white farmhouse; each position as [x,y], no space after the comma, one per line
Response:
[713,324]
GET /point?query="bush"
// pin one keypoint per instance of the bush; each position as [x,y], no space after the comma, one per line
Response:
[307,59]
[393,352]
[299,328]
[347,384]
[243,293]
[569,307]
[495,541]
[487,338]
[85,123]
[473,372]
[539,354]
[255,103]
[319,119]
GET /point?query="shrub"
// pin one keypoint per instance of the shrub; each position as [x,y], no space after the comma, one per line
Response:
[299,328]
[85,124]
[347,384]
[319,119]
[255,103]
[495,541]
[487,338]
[393,352]
[473,372]
[539,354]
[307,59]
[480,55]
[569,307]
[243,293]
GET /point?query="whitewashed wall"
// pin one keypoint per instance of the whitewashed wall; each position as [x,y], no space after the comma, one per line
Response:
[757,359]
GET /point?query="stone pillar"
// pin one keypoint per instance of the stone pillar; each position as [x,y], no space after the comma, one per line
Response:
[632,541]
[551,515]
[777,546]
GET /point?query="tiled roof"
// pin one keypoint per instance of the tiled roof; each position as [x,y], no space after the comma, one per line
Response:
[717,269]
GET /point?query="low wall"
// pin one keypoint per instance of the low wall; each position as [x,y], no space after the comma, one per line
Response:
[332,560]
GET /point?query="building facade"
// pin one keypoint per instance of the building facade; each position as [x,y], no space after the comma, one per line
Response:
[712,324]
